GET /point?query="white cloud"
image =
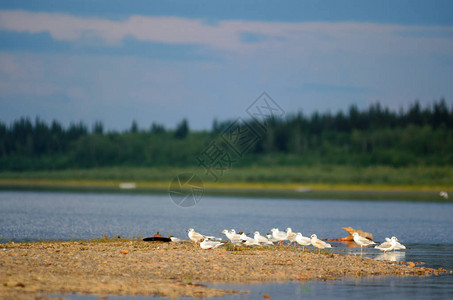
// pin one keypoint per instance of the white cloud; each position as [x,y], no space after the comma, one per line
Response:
[228,35]
[308,65]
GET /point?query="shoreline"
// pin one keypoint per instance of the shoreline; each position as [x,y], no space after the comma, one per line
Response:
[133,267]
[267,190]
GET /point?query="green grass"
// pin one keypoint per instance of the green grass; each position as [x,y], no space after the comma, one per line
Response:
[314,182]
[322,175]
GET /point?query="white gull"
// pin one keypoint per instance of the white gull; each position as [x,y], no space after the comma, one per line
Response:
[362,241]
[279,236]
[210,244]
[261,239]
[387,245]
[318,243]
[398,245]
[302,240]
[291,236]
[194,236]
[248,241]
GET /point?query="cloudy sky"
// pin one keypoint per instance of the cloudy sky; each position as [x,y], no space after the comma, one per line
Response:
[162,61]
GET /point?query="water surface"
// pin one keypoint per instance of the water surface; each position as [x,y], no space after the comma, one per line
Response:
[49,215]
[425,228]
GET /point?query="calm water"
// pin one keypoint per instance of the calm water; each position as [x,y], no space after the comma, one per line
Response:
[425,228]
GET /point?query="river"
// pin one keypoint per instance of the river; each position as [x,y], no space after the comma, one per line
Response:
[425,228]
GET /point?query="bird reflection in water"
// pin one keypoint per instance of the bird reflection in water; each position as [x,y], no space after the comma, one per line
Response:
[391,256]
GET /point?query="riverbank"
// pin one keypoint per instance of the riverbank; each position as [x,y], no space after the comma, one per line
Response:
[240,189]
[373,176]
[134,267]
[315,182]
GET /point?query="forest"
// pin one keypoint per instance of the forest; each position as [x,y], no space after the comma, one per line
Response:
[375,136]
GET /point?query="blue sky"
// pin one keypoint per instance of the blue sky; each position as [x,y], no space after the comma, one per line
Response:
[162,61]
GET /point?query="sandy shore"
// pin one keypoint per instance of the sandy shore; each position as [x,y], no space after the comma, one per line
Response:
[134,267]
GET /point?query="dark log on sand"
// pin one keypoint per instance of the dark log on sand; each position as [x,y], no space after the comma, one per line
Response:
[157,239]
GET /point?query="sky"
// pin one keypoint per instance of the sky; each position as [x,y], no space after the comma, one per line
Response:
[162,61]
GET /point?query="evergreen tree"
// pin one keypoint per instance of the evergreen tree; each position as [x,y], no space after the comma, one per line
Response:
[134,127]
[182,130]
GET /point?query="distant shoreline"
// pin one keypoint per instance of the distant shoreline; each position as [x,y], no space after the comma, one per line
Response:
[241,189]
[126,267]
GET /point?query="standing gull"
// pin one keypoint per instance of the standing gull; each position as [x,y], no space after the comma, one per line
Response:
[234,238]
[279,236]
[232,235]
[228,234]
[248,241]
[261,239]
[271,238]
[194,236]
[302,240]
[388,245]
[398,245]
[235,235]
[362,241]
[318,243]
[291,236]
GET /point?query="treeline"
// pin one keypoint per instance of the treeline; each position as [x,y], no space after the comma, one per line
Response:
[374,136]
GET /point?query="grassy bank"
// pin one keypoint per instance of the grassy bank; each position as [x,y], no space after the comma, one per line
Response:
[320,175]
[412,183]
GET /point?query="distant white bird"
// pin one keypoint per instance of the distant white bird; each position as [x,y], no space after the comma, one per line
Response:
[291,236]
[261,239]
[279,236]
[318,243]
[210,244]
[362,241]
[302,240]
[398,245]
[443,194]
[387,245]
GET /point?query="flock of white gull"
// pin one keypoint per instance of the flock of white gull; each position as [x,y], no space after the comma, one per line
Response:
[278,237]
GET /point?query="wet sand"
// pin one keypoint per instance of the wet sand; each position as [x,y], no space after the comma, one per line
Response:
[134,267]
